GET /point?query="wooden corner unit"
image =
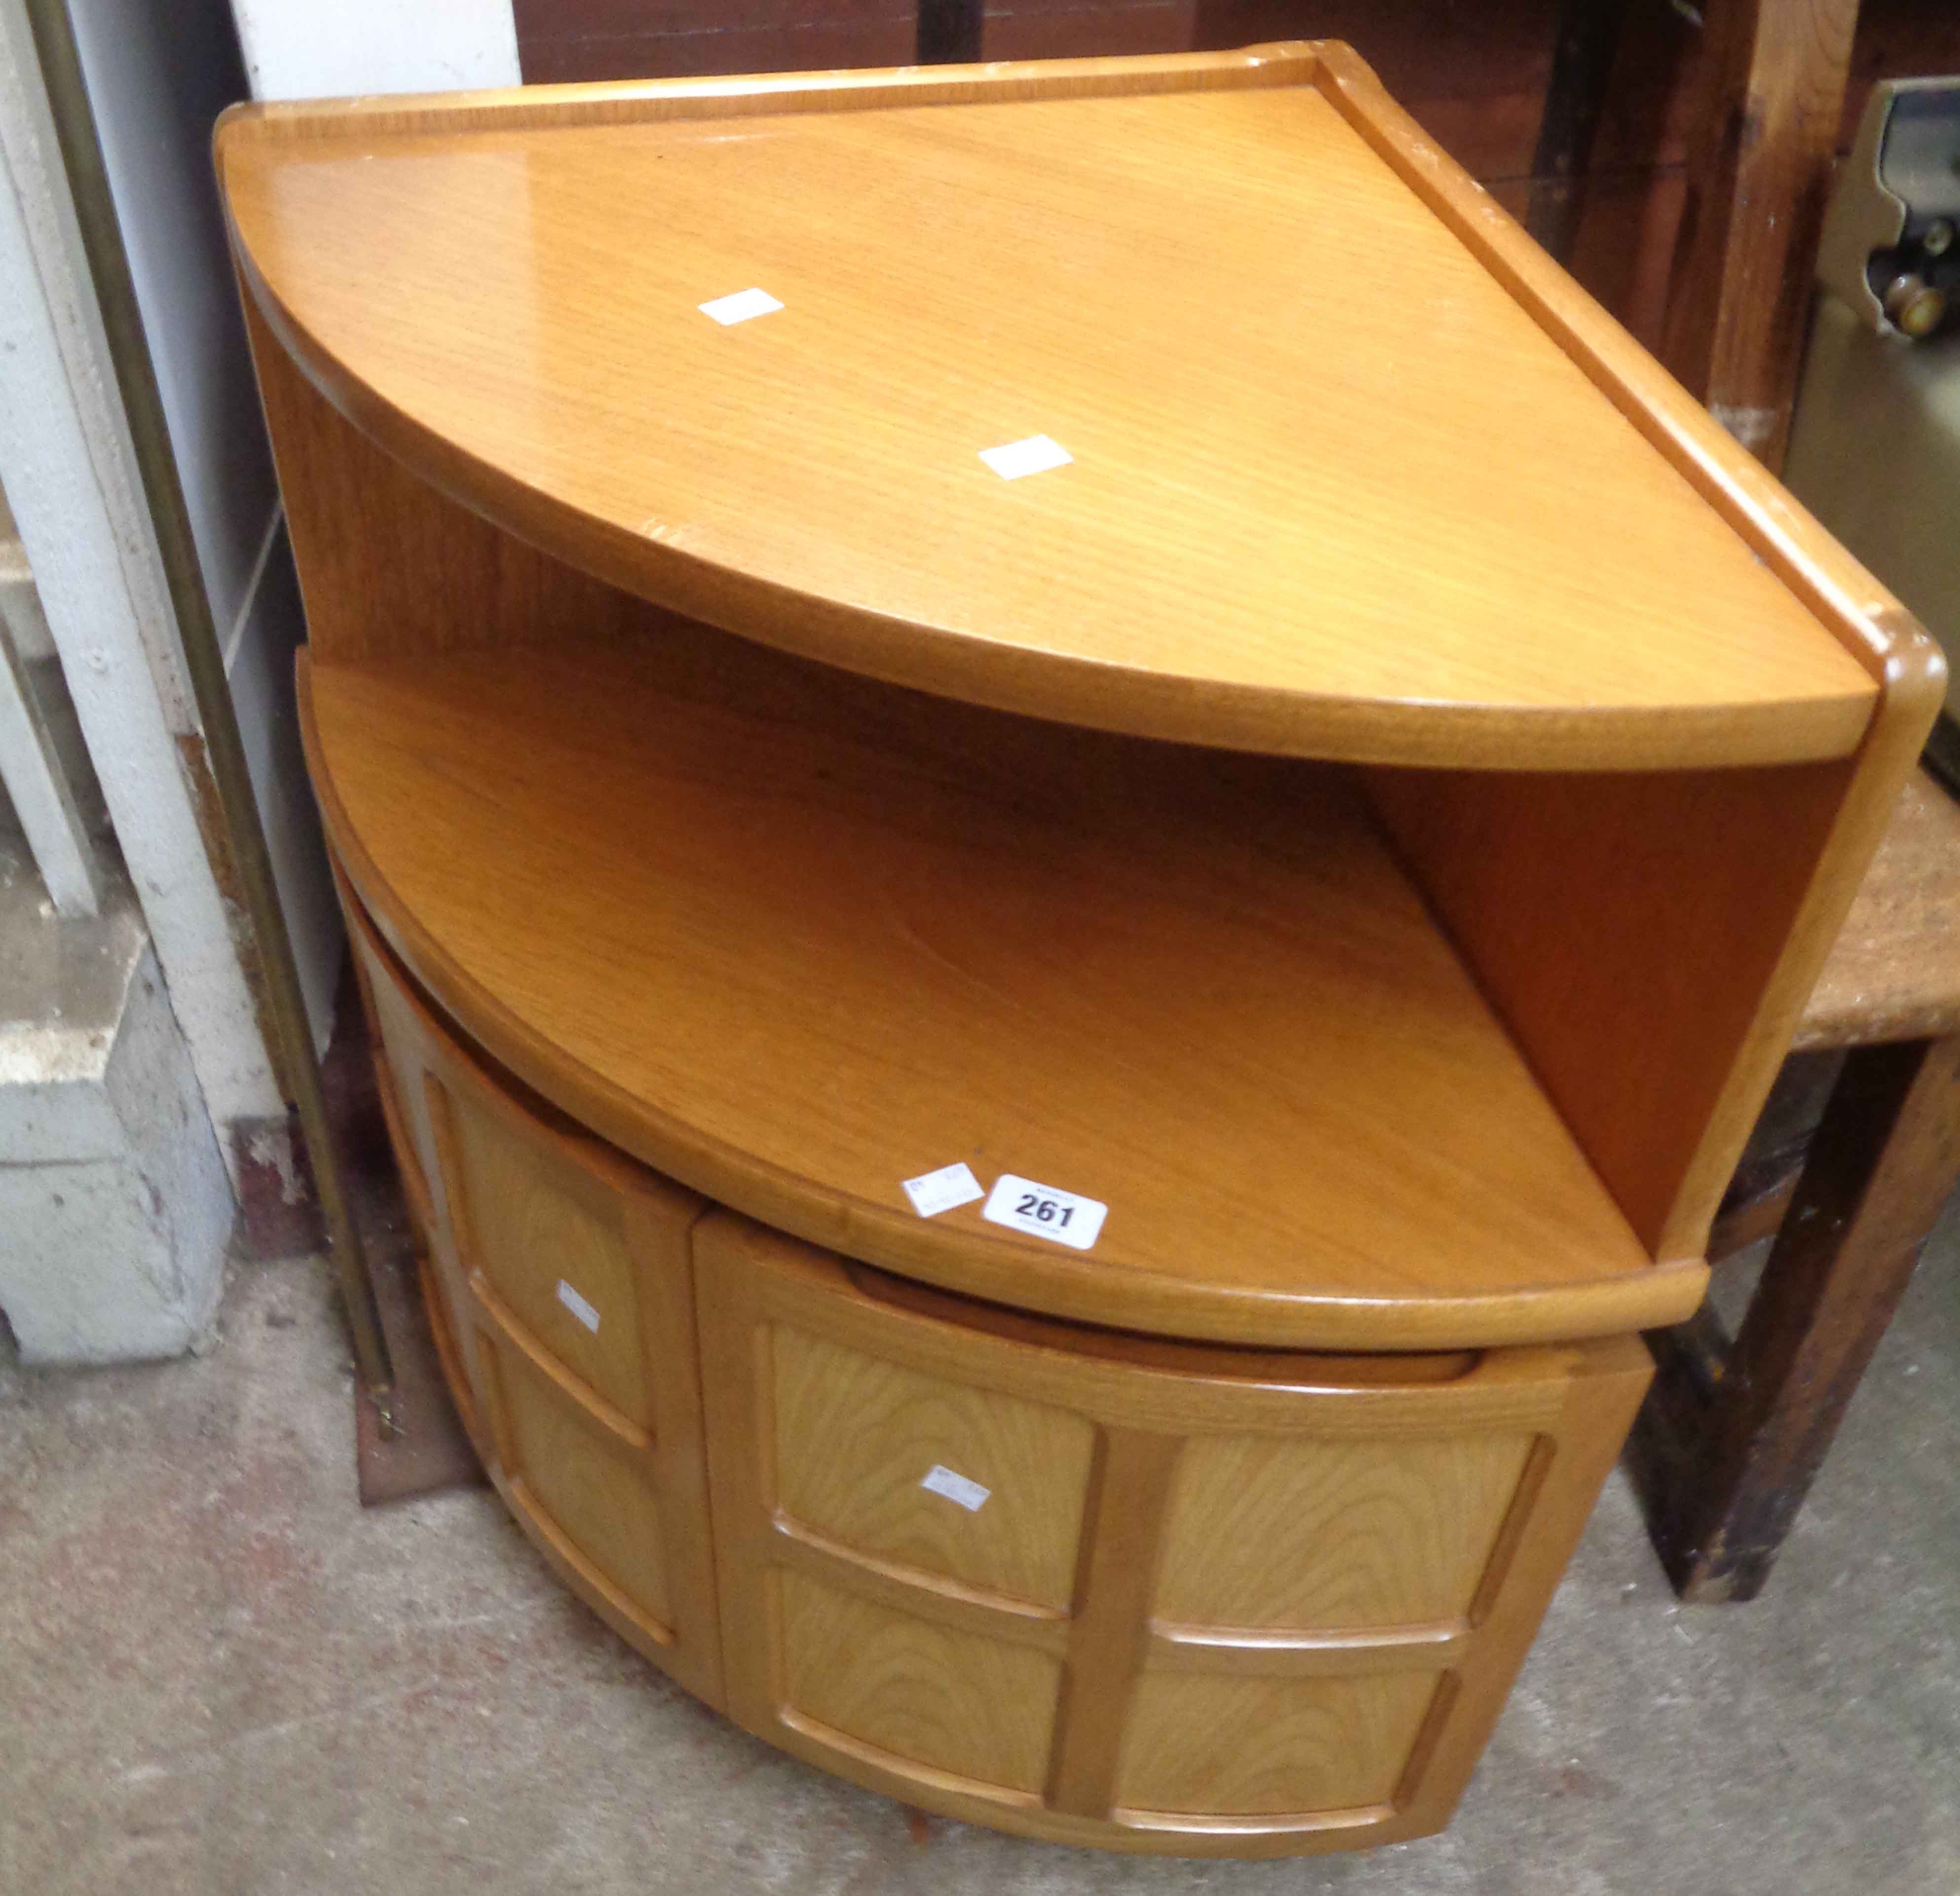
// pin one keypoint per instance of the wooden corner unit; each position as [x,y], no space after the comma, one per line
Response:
[1368,820]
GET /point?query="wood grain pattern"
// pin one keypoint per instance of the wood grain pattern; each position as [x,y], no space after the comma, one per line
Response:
[1662,1101]
[617,1502]
[1227,1747]
[1859,613]
[1227,560]
[1208,1739]
[1633,1033]
[1260,1653]
[1333,1535]
[793,933]
[1664,1164]
[1122,1535]
[534,1229]
[499,1317]
[1561,1484]
[1229,1363]
[628,959]
[596,1494]
[438,1274]
[386,564]
[981,1708]
[916,1590]
[855,1437]
[409,1047]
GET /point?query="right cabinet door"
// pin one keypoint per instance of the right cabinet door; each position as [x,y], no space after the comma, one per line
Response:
[1101,1589]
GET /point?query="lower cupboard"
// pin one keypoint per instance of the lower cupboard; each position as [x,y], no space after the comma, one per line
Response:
[1081,1584]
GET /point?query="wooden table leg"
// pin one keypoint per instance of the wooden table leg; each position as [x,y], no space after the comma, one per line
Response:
[1759,175]
[1726,1447]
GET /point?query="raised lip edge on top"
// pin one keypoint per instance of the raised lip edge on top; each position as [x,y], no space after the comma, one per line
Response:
[1866,621]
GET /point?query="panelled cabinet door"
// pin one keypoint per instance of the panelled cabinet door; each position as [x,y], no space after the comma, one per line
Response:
[1104,1590]
[574,1301]
[406,1041]
[577,1262]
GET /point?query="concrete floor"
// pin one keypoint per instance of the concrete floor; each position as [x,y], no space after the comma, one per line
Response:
[217,1674]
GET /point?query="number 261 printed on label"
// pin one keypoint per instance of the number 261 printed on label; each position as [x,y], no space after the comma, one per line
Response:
[1044,1211]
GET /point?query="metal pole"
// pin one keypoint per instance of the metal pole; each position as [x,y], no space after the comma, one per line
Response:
[136,381]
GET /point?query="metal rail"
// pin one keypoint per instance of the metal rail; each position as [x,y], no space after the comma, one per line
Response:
[136,381]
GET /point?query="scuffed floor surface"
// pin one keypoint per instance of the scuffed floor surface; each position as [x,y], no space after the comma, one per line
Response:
[217,1674]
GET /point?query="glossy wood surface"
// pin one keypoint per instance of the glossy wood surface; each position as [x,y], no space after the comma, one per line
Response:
[952,1700]
[1161,1695]
[1431,1059]
[553,1252]
[411,1046]
[1197,1700]
[794,939]
[1368,1534]
[1635,1035]
[1577,909]
[853,1434]
[616,1500]
[1271,1747]
[1246,551]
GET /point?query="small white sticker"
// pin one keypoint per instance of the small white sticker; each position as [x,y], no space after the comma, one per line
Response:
[1044,1211]
[1036,455]
[970,1495]
[741,307]
[933,1192]
[578,1305]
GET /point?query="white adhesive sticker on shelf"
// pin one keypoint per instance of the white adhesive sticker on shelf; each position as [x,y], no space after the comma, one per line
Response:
[741,307]
[968,1494]
[933,1192]
[1044,1211]
[578,1305]
[1036,455]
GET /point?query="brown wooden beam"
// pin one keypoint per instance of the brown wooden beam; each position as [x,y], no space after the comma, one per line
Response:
[1723,1471]
[1759,173]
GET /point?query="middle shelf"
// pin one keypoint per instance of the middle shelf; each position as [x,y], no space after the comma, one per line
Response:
[793,937]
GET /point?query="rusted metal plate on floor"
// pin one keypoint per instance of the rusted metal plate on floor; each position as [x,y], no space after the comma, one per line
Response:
[428,1452]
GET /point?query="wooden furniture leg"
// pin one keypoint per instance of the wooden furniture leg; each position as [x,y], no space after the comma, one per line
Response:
[1758,175]
[1725,1451]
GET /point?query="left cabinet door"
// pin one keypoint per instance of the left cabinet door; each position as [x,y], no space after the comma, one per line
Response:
[562,1273]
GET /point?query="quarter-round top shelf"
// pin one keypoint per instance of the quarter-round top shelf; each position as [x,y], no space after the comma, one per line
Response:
[793,939]
[1265,334]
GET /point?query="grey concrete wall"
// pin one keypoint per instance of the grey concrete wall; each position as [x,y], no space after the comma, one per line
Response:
[114,1206]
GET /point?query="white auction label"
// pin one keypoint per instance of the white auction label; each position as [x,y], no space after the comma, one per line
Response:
[1036,455]
[578,1305]
[969,1494]
[741,307]
[1044,1211]
[933,1192]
